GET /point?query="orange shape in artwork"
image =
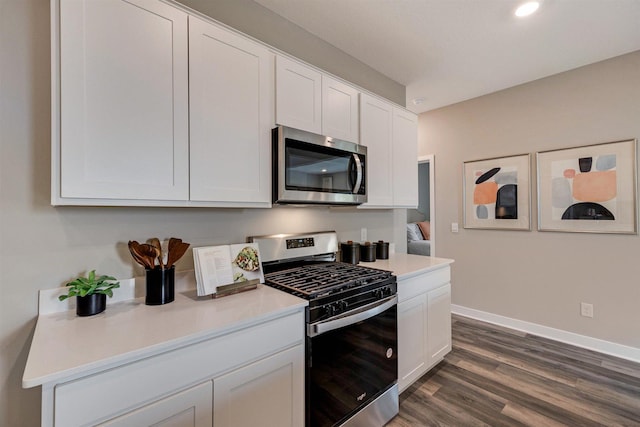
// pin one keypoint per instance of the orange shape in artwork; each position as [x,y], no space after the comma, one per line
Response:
[595,186]
[569,173]
[485,193]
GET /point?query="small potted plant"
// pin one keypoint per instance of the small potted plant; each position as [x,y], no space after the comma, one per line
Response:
[91,293]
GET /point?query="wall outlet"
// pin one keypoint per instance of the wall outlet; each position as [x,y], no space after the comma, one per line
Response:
[454,227]
[586,309]
[363,234]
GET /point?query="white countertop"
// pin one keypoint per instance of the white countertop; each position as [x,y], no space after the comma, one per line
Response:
[407,265]
[65,345]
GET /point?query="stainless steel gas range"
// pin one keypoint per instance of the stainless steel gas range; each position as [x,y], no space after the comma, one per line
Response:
[351,325]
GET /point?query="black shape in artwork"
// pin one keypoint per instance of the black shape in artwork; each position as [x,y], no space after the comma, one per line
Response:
[507,202]
[585,164]
[485,176]
[588,210]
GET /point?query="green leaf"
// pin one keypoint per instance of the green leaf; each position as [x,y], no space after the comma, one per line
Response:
[92,276]
[63,297]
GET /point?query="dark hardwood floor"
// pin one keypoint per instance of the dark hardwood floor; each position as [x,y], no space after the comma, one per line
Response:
[500,377]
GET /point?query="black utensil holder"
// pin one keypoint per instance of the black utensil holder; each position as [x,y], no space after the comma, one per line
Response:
[160,286]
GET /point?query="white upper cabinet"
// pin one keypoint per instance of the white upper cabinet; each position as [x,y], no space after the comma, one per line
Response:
[231,116]
[391,137]
[309,100]
[298,96]
[375,134]
[339,110]
[405,158]
[121,130]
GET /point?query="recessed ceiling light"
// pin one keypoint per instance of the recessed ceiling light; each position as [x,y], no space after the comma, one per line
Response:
[418,101]
[527,8]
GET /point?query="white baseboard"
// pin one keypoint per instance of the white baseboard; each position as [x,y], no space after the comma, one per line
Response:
[583,341]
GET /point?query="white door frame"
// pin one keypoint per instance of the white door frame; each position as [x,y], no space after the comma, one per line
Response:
[430,158]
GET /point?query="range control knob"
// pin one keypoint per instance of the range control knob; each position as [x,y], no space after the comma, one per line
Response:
[329,309]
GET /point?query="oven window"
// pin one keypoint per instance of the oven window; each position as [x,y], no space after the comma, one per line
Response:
[310,167]
[351,366]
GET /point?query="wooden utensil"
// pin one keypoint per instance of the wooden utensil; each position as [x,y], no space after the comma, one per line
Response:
[173,241]
[155,242]
[136,253]
[176,251]
[149,252]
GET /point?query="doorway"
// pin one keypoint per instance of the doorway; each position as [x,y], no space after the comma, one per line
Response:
[426,198]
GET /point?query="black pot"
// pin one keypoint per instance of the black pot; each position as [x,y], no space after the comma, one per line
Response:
[350,252]
[382,250]
[160,286]
[368,252]
[91,304]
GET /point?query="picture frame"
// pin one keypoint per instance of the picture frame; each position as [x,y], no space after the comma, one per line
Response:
[497,193]
[588,189]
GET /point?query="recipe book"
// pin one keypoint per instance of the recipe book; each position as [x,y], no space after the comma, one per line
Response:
[217,266]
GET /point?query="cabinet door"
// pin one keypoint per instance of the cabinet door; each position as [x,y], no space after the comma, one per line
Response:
[267,393]
[439,323]
[405,159]
[123,101]
[298,96]
[339,110]
[412,340]
[231,115]
[190,408]
[375,134]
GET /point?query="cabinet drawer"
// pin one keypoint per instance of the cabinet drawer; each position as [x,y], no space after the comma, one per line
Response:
[110,393]
[416,285]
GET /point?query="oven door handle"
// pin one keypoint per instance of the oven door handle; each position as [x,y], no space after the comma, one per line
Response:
[364,313]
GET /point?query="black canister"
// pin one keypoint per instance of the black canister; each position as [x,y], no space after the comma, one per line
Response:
[160,286]
[350,252]
[382,250]
[368,252]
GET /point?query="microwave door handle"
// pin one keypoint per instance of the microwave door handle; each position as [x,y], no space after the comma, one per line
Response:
[366,312]
[358,164]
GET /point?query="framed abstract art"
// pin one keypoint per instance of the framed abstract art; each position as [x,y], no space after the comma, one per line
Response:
[497,193]
[588,189]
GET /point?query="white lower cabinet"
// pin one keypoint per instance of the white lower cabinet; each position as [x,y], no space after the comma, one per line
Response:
[424,324]
[253,376]
[267,393]
[190,408]
[263,393]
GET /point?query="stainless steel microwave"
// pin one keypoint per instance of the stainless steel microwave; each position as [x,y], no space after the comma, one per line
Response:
[312,169]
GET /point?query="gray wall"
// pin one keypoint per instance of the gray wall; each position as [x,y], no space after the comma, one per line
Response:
[540,277]
[42,247]
[259,22]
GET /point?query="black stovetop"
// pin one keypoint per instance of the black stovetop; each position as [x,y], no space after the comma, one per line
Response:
[333,288]
[319,280]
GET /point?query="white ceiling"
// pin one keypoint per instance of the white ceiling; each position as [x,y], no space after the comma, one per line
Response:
[452,50]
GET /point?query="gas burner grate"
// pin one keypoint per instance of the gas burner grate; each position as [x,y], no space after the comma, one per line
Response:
[318,280]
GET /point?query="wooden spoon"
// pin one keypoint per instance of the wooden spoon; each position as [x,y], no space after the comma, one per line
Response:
[176,252]
[150,253]
[155,242]
[134,248]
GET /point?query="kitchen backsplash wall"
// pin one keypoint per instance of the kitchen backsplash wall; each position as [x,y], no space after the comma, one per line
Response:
[43,247]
